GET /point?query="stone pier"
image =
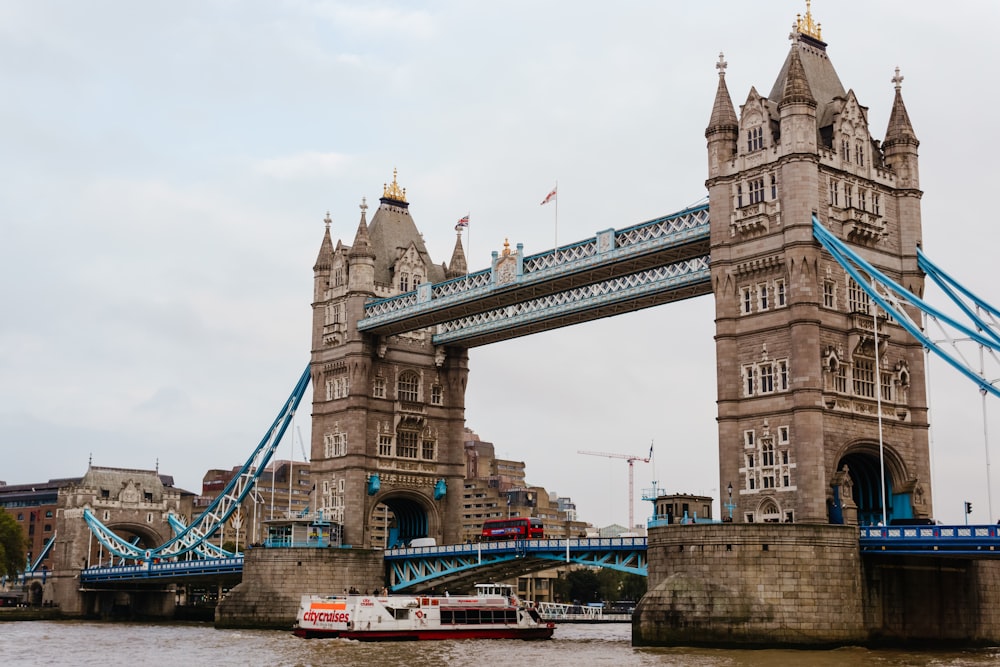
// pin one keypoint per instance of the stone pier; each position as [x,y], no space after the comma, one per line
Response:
[274,581]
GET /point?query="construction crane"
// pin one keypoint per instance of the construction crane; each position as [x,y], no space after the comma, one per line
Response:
[631,458]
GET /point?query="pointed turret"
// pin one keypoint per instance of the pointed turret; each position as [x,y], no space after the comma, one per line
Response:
[361,258]
[797,90]
[362,246]
[457,267]
[723,127]
[324,262]
[900,145]
[797,108]
[325,248]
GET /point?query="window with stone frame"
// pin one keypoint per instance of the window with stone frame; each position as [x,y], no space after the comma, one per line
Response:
[406,444]
[830,294]
[408,387]
[766,371]
[428,449]
[840,379]
[338,277]
[746,300]
[848,195]
[858,300]
[783,437]
[885,380]
[762,297]
[437,395]
[859,153]
[378,387]
[755,139]
[337,387]
[385,445]
[334,444]
[876,203]
[748,438]
[864,377]
[845,150]
[774,187]
[862,199]
[404,281]
[765,377]
[780,297]
[749,380]
[834,192]
[739,195]
[417,279]
[756,190]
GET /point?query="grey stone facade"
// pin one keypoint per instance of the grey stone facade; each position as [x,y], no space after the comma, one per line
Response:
[391,407]
[800,377]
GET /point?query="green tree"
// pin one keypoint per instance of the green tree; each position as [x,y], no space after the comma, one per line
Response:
[13,548]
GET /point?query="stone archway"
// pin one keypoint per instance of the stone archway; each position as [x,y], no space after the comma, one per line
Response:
[406,516]
[859,470]
[767,512]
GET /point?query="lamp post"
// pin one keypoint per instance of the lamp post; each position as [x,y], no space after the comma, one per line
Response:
[730,505]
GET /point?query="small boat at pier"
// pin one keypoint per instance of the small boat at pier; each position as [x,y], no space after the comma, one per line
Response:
[494,612]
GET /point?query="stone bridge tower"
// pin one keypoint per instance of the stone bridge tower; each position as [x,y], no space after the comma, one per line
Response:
[802,369]
[388,412]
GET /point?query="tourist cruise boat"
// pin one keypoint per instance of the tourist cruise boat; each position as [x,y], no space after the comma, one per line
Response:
[494,612]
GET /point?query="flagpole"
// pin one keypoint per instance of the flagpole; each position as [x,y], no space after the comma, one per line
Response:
[557,225]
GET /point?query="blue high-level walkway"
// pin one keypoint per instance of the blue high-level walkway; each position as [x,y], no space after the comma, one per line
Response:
[615,271]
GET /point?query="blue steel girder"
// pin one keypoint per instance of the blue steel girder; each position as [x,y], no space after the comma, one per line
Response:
[610,254]
[624,294]
[460,566]
[901,305]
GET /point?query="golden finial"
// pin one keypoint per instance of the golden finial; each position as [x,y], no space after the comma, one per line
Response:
[506,248]
[806,26]
[394,191]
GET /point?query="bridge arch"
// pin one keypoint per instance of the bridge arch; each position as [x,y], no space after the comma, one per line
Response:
[409,515]
[141,535]
[858,490]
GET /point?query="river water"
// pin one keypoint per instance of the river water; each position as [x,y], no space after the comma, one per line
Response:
[194,645]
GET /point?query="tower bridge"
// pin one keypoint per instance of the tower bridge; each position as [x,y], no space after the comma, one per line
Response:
[822,402]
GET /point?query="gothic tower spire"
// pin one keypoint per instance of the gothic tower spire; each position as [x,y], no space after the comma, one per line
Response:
[457,267]
[723,127]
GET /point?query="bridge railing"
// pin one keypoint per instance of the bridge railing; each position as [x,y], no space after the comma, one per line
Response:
[605,543]
[149,570]
[676,228]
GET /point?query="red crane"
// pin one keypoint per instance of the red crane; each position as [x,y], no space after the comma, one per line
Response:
[631,458]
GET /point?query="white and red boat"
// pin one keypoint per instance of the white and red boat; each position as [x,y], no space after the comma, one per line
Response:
[494,612]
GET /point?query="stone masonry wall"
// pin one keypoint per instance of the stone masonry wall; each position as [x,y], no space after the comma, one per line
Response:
[931,600]
[274,581]
[751,585]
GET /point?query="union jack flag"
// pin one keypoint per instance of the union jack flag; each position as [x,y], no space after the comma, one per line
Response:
[550,197]
[462,223]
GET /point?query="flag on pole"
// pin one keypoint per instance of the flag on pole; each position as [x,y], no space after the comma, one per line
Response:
[550,197]
[462,223]
[650,451]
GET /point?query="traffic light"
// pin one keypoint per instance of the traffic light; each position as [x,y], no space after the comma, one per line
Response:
[968,507]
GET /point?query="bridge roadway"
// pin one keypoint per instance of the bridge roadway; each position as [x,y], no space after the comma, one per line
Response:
[659,261]
[461,565]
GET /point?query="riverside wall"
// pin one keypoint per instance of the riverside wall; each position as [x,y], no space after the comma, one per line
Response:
[274,581]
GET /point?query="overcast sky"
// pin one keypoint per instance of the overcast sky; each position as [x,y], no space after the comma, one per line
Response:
[165,169]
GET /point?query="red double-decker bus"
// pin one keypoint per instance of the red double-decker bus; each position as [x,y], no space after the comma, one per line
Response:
[518,528]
